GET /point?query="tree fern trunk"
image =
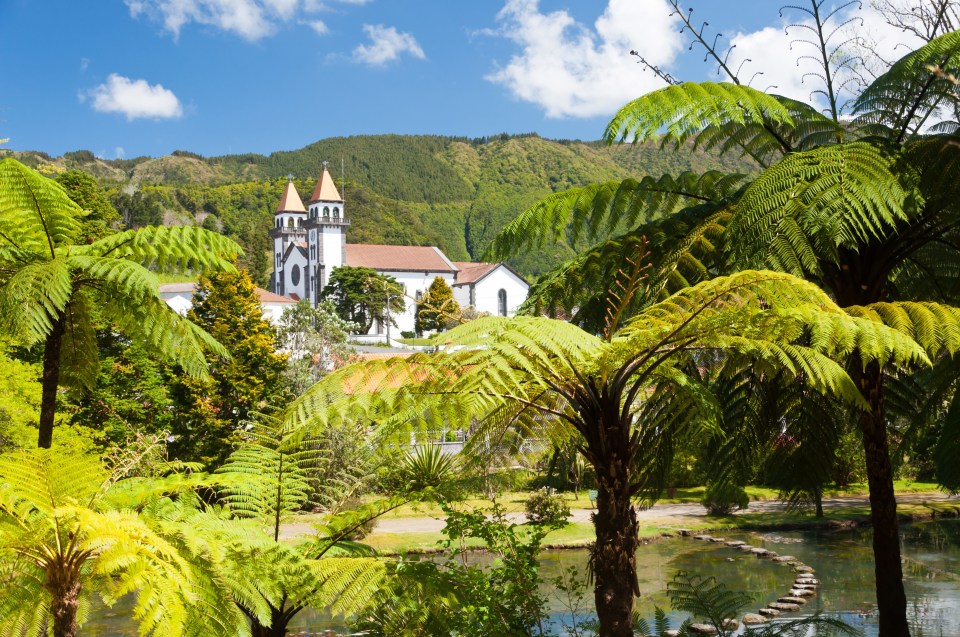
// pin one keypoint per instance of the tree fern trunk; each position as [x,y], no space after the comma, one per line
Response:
[277,627]
[614,560]
[65,598]
[891,599]
[50,380]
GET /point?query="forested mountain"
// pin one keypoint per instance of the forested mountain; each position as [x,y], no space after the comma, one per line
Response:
[456,193]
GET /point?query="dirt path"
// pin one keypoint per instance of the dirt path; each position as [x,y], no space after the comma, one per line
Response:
[673,515]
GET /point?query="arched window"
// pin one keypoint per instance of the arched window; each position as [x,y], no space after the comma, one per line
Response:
[295,275]
[326,211]
[502,302]
[290,222]
[336,213]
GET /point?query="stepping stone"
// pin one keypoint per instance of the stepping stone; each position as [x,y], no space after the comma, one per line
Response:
[802,592]
[703,629]
[671,633]
[784,607]
[730,624]
[751,619]
[788,599]
[760,552]
[744,547]
[772,554]
[809,581]
[785,558]
[701,537]
[805,587]
[735,543]
[769,612]
[717,539]
[803,568]
[684,532]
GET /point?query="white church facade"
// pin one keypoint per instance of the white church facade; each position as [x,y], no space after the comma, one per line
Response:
[310,242]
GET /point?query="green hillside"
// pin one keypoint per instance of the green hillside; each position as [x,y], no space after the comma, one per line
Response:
[456,193]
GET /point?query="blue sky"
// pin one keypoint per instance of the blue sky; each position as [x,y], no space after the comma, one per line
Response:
[125,78]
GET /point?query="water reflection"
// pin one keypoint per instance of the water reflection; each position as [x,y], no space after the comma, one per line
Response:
[842,559]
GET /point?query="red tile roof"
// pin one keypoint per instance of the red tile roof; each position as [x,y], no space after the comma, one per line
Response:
[398,258]
[266,296]
[472,272]
[325,189]
[290,201]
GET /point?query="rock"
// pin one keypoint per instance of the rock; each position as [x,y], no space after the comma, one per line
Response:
[789,599]
[671,633]
[802,592]
[666,534]
[759,552]
[730,624]
[751,619]
[785,558]
[717,539]
[784,607]
[734,543]
[684,532]
[703,629]
[808,581]
[803,568]
[701,537]
[772,554]
[744,547]
[805,587]
[730,559]
[769,612]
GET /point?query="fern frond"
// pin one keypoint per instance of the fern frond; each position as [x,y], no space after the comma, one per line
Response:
[168,249]
[901,101]
[36,215]
[802,209]
[598,210]
[685,110]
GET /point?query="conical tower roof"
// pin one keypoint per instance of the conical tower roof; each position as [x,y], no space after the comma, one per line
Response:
[325,190]
[290,201]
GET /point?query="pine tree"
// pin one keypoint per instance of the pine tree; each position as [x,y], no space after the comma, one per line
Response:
[215,410]
[436,307]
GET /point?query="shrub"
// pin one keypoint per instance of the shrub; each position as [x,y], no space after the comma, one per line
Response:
[406,334]
[547,507]
[721,498]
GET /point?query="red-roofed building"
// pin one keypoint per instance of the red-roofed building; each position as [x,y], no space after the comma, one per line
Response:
[310,242]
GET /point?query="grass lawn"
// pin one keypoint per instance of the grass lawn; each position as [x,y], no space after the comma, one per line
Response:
[581,533]
[415,341]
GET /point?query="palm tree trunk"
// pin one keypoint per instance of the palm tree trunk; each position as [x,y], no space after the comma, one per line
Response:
[50,381]
[65,598]
[891,599]
[614,554]
[279,619]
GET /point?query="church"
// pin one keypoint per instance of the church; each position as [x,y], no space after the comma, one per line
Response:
[309,243]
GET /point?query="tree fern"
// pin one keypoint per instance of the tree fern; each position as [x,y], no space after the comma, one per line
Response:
[49,286]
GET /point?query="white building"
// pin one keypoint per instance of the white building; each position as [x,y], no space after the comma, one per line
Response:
[179,296]
[309,243]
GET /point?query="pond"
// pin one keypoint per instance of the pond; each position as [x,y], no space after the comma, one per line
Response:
[842,559]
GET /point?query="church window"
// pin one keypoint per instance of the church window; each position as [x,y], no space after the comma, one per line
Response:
[295,275]
[336,213]
[502,302]
[290,222]
[326,211]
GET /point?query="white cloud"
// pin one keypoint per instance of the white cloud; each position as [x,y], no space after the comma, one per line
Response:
[571,70]
[135,99]
[84,64]
[786,61]
[250,19]
[319,26]
[386,44]
[119,152]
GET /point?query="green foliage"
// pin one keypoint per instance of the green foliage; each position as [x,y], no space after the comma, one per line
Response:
[362,296]
[54,291]
[87,193]
[317,341]
[721,498]
[546,506]
[435,307]
[212,412]
[457,597]
[61,543]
